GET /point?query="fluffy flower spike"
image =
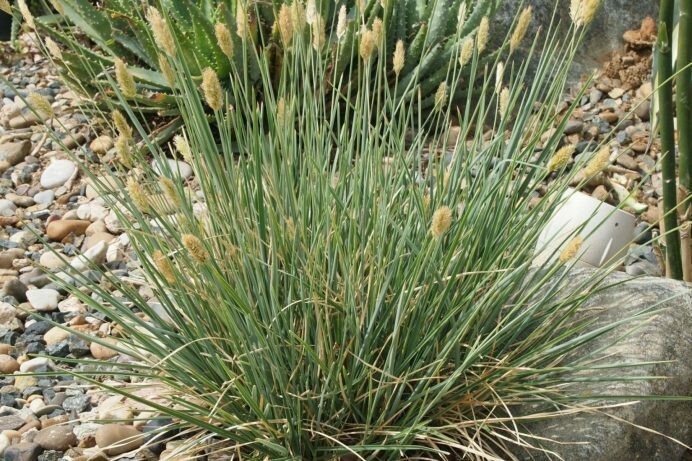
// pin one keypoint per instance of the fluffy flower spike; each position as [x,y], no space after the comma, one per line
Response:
[441,221]
[125,80]
[195,247]
[211,87]
[571,249]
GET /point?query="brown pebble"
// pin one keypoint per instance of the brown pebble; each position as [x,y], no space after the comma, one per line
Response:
[30,425]
[58,230]
[610,117]
[640,147]
[601,193]
[122,438]
[102,352]
[78,320]
[627,161]
[48,422]
[58,438]
[8,365]
[652,215]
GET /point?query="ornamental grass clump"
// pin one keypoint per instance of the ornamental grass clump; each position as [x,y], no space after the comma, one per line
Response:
[342,286]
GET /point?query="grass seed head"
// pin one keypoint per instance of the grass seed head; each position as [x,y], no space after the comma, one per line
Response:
[504,103]
[211,87]
[483,34]
[121,124]
[138,196]
[561,158]
[125,80]
[319,37]
[40,104]
[520,30]
[367,44]
[378,31]
[466,52]
[298,16]
[242,23]
[162,33]
[166,70]
[571,249]
[53,49]
[441,95]
[122,150]
[597,163]
[441,221]
[26,13]
[281,112]
[461,16]
[285,24]
[164,266]
[582,12]
[183,148]
[341,23]
[399,57]
[311,12]
[5,6]
[195,247]
[169,190]
[499,77]
[224,39]
[290,228]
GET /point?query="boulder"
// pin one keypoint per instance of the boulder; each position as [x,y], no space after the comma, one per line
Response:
[660,346]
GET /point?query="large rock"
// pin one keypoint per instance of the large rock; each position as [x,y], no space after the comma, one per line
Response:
[603,37]
[665,337]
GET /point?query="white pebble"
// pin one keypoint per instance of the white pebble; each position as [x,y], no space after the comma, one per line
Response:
[7,313]
[94,255]
[44,299]
[44,198]
[175,166]
[57,173]
[34,364]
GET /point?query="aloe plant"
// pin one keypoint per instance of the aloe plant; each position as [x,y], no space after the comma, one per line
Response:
[118,29]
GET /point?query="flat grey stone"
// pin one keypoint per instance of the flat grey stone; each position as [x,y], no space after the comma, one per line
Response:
[660,346]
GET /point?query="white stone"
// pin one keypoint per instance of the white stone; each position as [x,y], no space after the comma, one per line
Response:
[51,260]
[174,166]
[34,364]
[94,255]
[95,227]
[113,223]
[115,252]
[92,212]
[71,305]
[102,144]
[7,206]
[44,198]
[95,185]
[57,173]
[36,405]
[44,299]
[23,238]
[114,408]
[56,335]
[7,313]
